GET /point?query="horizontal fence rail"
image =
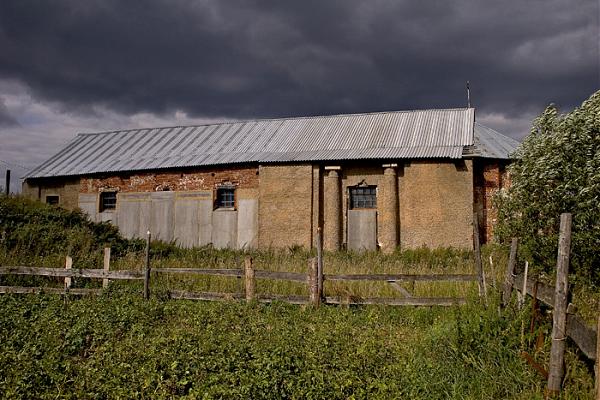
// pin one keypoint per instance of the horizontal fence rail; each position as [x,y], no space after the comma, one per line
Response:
[544,293]
[236,272]
[71,273]
[50,290]
[105,274]
[212,296]
[392,301]
[401,277]
[581,334]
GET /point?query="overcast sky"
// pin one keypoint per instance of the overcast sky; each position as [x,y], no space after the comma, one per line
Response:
[75,66]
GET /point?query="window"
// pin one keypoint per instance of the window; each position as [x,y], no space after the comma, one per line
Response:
[108,201]
[52,200]
[225,197]
[363,197]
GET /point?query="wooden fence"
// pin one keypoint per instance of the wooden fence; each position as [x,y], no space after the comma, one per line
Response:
[576,328]
[312,278]
[565,322]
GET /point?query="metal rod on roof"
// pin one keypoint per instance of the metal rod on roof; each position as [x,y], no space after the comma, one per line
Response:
[468,95]
[7,188]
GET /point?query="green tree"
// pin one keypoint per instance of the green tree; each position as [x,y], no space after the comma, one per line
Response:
[557,169]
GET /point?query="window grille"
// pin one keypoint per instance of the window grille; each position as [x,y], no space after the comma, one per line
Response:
[108,201]
[225,197]
[363,197]
[52,200]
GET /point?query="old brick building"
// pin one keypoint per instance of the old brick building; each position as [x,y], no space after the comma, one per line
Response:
[408,179]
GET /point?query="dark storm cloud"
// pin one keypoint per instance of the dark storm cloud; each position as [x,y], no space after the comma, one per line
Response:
[242,59]
[6,119]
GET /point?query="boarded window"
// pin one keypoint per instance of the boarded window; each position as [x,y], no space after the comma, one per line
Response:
[108,201]
[225,197]
[363,197]
[52,200]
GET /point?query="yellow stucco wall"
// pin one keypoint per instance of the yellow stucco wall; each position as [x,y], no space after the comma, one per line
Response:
[285,205]
[67,189]
[435,201]
[436,204]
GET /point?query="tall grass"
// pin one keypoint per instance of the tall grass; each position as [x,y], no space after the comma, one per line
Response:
[420,261]
[36,234]
[119,346]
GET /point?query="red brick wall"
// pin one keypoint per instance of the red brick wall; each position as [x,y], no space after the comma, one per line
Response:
[200,179]
[491,176]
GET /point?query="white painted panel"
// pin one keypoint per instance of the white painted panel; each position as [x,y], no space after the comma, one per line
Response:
[88,204]
[224,228]
[162,215]
[247,230]
[362,229]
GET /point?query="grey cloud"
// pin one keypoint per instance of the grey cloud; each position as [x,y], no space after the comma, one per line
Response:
[242,59]
[6,119]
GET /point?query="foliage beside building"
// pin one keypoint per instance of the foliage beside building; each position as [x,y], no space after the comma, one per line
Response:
[557,169]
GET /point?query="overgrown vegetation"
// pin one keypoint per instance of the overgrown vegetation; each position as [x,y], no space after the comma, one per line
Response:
[557,170]
[37,230]
[119,346]
[37,234]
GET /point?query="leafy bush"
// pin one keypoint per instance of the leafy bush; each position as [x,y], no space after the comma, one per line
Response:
[557,170]
[35,229]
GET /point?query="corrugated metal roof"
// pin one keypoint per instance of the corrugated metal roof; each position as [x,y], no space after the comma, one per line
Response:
[491,144]
[386,135]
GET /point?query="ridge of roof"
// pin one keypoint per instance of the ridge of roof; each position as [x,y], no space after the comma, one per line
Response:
[243,121]
[489,143]
[508,138]
[434,133]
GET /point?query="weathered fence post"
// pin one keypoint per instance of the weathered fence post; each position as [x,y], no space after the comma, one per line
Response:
[68,265]
[524,290]
[106,266]
[477,255]
[147,268]
[313,282]
[320,260]
[510,272]
[249,278]
[493,273]
[598,360]
[559,317]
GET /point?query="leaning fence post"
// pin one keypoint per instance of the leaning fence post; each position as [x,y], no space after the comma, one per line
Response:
[106,266]
[147,268]
[68,265]
[477,255]
[320,260]
[313,282]
[510,272]
[559,317]
[249,278]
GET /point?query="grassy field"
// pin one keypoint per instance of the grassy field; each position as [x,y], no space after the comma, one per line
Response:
[420,261]
[119,346]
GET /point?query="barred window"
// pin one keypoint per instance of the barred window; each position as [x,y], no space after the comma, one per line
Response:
[108,201]
[225,197]
[52,200]
[363,197]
